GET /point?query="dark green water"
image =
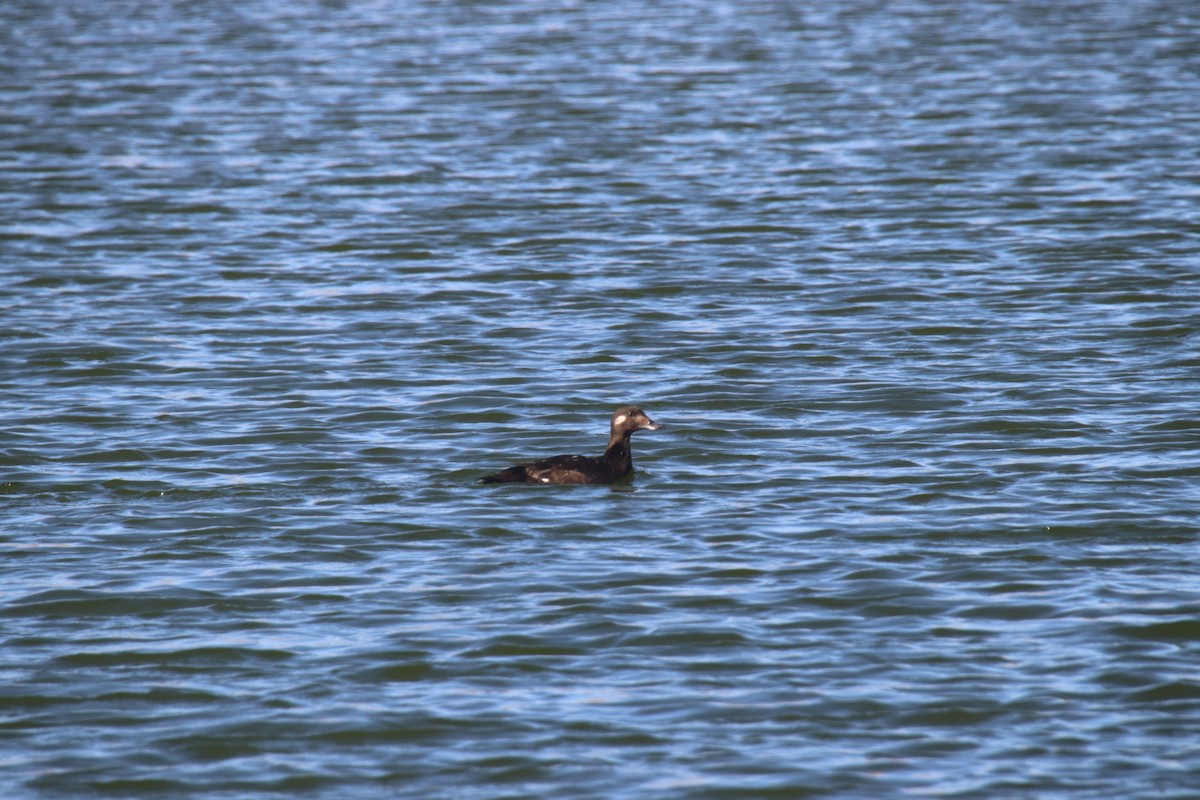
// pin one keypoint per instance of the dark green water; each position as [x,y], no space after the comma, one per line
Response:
[915,287]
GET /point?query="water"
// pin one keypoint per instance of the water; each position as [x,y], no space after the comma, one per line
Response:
[915,287]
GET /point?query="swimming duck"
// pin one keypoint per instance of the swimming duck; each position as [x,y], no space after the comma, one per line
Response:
[614,465]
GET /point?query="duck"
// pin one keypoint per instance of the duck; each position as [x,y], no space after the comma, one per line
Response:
[615,465]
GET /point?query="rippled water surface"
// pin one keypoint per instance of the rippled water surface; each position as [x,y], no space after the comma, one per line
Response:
[914,286]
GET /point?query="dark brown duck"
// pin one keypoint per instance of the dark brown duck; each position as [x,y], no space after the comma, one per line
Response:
[614,465]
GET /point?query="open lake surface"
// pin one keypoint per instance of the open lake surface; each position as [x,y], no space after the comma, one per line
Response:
[913,286]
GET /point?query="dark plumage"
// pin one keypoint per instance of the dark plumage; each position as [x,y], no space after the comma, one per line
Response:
[615,464]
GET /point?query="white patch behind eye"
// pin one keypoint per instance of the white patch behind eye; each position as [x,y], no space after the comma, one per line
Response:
[620,419]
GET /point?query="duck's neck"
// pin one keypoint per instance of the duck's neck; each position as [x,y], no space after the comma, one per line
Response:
[618,453]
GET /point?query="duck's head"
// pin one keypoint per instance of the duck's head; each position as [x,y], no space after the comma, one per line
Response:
[628,419]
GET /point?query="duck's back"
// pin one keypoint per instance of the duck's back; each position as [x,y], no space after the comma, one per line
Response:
[559,469]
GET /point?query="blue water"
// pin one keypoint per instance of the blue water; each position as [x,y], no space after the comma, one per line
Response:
[915,288]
